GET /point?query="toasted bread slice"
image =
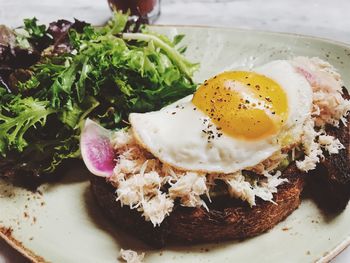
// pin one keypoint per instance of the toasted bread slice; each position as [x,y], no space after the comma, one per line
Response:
[330,181]
[227,218]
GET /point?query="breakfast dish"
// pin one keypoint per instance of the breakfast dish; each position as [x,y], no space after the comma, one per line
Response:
[247,135]
[66,213]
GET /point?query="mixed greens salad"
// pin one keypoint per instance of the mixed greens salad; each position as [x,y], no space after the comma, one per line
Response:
[52,78]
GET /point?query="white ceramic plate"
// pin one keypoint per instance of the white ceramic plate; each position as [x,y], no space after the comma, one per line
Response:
[64,224]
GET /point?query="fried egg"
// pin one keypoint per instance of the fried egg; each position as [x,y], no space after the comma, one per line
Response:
[233,121]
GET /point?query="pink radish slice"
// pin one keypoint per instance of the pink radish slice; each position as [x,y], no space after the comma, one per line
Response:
[96,149]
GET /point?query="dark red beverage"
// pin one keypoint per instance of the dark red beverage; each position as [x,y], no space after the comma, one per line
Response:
[144,8]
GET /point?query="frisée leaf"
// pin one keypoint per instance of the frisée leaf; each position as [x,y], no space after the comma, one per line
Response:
[102,73]
[17,117]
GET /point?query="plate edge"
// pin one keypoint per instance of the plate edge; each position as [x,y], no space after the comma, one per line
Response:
[335,251]
[277,33]
[6,235]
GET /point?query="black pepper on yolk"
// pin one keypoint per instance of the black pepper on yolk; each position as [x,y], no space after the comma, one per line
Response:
[245,105]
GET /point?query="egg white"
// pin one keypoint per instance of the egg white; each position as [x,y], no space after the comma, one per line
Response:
[175,134]
[299,95]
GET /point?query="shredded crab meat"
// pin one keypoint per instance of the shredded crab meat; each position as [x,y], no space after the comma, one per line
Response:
[329,107]
[311,148]
[313,142]
[140,178]
[189,189]
[157,208]
[122,138]
[131,256]
[269,186]
[330,144]
[269,164]
[132,191]
[240,187]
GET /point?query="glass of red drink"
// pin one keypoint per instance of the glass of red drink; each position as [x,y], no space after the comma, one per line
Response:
[147,9]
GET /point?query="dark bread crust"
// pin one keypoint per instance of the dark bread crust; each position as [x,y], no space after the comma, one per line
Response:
[330,181]
[226,219]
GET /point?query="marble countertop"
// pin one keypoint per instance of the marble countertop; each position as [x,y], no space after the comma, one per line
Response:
[323,18]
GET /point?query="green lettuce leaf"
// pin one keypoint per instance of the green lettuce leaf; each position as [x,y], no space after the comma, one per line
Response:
[17,117]
[108,74]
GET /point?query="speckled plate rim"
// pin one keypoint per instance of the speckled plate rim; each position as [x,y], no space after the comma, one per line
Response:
[335,252]
[267,32]
[17,245]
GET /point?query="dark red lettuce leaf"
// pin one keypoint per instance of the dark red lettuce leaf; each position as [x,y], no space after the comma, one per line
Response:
[59,30]
[13,57]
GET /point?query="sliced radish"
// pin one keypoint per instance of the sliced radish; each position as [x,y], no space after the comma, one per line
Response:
[96,149]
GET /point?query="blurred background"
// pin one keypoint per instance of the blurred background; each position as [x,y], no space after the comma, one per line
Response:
[322,18]
[313,17]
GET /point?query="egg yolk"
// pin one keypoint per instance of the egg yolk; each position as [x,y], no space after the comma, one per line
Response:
[244,105]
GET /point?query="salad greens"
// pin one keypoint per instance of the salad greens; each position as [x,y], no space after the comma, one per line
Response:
[102,73]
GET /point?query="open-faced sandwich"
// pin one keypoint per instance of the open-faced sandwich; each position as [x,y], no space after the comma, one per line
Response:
[229,161]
